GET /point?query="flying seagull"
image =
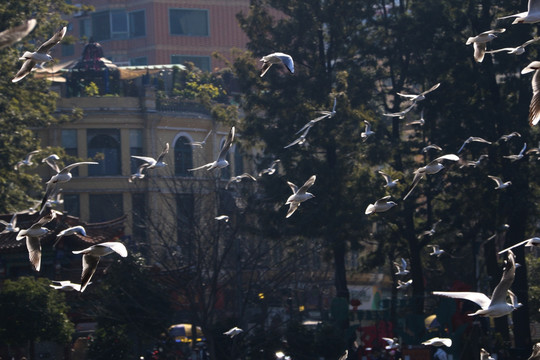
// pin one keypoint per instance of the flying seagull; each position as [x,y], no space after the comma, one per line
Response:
[233,332]
[437,341]
[534,107]
[431,231]
[401,269]
[403,285]
[299,195]
[93,254]
[531,16]
[509,136]
[326,114]
[27,161]
[435,251]
[380,205]
[221,161]
[51,161]
[39,56]
[432,168]
[276,58]
[518,50]
[10,36]
[402,113]
[477,162]
[367,132]
[484,355]
[237,179]
[389,181]
[222,218]
[519,156]
[301,140]
[139,173]
[154,163]
[497,305]
[500,184]
[62,176]
[10,226]
[270,170]
[431,147]
[392,344]
[419,97]
[69,231]
[66,285]
[479,42]
[534,241]
[33,241]
[475,139]
[419,122]
[200,144]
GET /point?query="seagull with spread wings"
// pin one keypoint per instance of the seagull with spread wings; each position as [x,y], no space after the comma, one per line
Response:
[237,179]
[154,163]
[276,58]
[325,114]
[200,144]
[473,139]
[500,183]
[301,140]
[33,237]
[270,170]
[497,305]
[367,131]
[518,50]
[221,161]
[479,42]
[518,156]
[381,205]
[432,168]
[389,181]
[299,195]
[27,161]
[10,226]
[39,56]
[419,97]
[10,36]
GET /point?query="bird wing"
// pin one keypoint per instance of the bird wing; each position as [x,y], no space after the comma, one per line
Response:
[292,208]
[265,67]
[302,137]
[462,146]
[417,177]
[509,273]
[534,107]
[163,153]
[386,177]
[52,164]
[479,51]
[246,175]
[507,49]
[115,246]
[532,41]
[227,145]
[55,39]
[476,297]
[309,182]
[71,166]
[451,157]
[293,187]
[434,87]
[30,154]
[201,167]
[89,264]
[496,179]
[26,68]
[403,264]
[334,107]
[11,36]
[14,220]
[409,96]
[383,200]
[34,251]
[147,159]
[523,149]
[479,139]
[287,61]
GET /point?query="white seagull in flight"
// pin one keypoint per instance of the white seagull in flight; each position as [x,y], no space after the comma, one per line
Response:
[479,42]
[421,96]
[154,163]
[221,161]
[531,16]
[432,168]
[299,195]
[276,58]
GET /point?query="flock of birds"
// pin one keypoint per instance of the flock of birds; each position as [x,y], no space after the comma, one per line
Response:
[495,306]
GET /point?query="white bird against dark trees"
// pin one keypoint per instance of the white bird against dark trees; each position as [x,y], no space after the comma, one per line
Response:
[139,173]
[221,161]
[431,231]
[70,231]
[518,156]
[401,269]
[237,179]
[509,136]
[154,163]
[27,161]
[534,106]
[513,298]
[10,226]
[326,114]
[432,168]
[497,305]
[518,50]
[419,122]
[233,332]
[389,181]
[479,42]
[532,15]
[367,132]
[93,254]
[62,176]
[437,341]
[276,58]
[299,195]
[51,161]
[403,285]
[477,162]
[392,344]
[436,251]
[484,355]
[65,285]
[402,113]
[270,170]
[500,184]
[534,241]
[301,140]
[419,97]
[39,56]
[222,218]
[473,139]
[200,144]
[431,147]
[33,237]
[380,205]
[10,36]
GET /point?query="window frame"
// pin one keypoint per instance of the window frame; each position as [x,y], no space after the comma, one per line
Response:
[190,9]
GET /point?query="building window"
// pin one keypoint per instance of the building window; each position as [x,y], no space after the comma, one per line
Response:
[138,203]
[238,161]
[85,28]
[69,143]
[137,24]
[72,204]
[188,22]
[119,24]
[135,148]
[68,49]
[143,60]
[106,143]
[105,207]
[184,215]
[202,62]
[183,157]
[101,26]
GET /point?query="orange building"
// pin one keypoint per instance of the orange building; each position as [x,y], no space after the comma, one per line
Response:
[150,32]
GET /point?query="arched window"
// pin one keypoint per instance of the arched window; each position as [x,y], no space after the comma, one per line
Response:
[183,156]
[107,143]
